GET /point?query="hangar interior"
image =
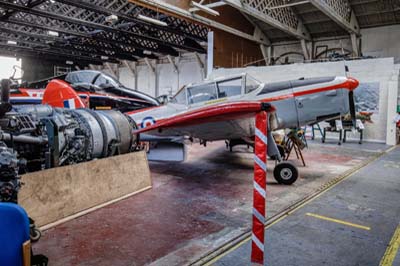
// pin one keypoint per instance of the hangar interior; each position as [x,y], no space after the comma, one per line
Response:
[199,132]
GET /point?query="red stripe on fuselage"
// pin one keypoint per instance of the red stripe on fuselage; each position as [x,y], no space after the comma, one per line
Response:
[213,113]
[349,84]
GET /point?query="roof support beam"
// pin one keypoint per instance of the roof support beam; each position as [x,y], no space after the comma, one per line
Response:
[130,68]
[90,24]
[158,4]
[111,69]
[340,12]
[304,47]
[172,62]
[355,41]
[259,9]
[151,67]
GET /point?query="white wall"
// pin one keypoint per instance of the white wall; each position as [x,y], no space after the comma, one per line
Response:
[377,42]
[369,70]
[382,42]
[168,79]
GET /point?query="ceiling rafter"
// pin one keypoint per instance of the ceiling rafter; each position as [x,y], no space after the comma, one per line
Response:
[340,12]
[282,18]
[82,28]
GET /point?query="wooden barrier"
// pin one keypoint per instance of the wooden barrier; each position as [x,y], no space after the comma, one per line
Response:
[59,194]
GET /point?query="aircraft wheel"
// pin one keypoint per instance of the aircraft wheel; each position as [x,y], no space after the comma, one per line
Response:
[286,173]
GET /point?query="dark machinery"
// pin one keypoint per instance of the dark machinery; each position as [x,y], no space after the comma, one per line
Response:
[34,137]
[48,137]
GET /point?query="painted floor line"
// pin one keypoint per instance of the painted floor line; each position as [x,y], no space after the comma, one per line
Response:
[392,249]
[333,220]
[225,249]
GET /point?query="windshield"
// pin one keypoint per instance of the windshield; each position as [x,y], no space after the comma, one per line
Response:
[104,79]
[229,88]
[251,84]
[92,77]
[180,97]
[202,93]
[81,77]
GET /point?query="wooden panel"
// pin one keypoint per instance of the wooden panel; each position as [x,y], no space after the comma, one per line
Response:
[26,253]
[54,194]
[184,4]
[231,51]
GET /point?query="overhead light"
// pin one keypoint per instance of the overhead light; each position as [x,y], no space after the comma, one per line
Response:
[205,9]
[152,20]
[69,62]
[111,19]
[12,42]
[147,52]
[103,57]
[53,33]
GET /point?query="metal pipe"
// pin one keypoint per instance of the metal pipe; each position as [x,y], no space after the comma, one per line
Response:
[23,139]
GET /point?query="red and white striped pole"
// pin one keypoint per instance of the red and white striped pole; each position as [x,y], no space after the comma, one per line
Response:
[259,191]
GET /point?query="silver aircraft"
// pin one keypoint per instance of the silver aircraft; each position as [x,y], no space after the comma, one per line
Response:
[218,110]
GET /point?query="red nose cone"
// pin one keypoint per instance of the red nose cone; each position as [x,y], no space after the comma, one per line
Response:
[353,83]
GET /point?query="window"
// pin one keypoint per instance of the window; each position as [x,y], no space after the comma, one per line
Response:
[202,93]
[230,88]
[251,84]
[105,80]
[81,77]
[180,97]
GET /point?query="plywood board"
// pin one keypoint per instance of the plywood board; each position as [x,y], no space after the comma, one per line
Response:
[52,195]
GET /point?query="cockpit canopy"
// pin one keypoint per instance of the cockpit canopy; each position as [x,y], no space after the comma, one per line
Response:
[216,89]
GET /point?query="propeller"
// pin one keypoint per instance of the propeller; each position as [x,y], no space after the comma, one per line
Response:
[351,100]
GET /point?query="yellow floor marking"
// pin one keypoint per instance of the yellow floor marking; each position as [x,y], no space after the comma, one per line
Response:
[338,221]
[392,249]
[330,185]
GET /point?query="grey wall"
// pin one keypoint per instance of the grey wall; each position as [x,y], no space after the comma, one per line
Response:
[167,80]
[382,42]
[376,42]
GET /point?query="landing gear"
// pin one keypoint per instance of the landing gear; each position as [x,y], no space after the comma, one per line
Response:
[286,173]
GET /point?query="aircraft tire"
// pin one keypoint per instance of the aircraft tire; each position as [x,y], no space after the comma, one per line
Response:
[286,173]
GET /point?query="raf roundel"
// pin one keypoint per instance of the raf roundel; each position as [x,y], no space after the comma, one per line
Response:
[148,121]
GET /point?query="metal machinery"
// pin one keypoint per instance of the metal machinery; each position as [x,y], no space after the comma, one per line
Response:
[33,137]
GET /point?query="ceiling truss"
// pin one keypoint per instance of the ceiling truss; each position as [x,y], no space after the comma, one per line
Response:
[82,30]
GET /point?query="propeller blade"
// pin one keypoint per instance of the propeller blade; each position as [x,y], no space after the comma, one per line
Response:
[352,108]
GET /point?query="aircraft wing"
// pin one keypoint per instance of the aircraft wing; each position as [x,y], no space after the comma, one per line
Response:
[215,122]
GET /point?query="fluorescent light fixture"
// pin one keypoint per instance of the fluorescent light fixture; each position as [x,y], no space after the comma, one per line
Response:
[147,52]
[69,62]
[53,33]
[103,57]
[112,19]
[205,9]
[12,42]
[152,20]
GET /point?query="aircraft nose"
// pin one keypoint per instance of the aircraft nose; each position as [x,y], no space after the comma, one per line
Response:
[353,83]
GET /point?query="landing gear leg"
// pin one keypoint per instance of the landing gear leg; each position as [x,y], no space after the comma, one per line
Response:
[284,172]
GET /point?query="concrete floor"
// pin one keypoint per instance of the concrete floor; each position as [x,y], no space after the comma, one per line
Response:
[193,208]
[370,197]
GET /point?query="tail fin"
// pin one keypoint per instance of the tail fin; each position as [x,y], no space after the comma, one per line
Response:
[58,93]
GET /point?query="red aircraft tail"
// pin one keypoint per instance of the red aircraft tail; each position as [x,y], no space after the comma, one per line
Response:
[58,93]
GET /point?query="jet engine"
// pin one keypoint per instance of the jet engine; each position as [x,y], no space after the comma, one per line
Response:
[49,137]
